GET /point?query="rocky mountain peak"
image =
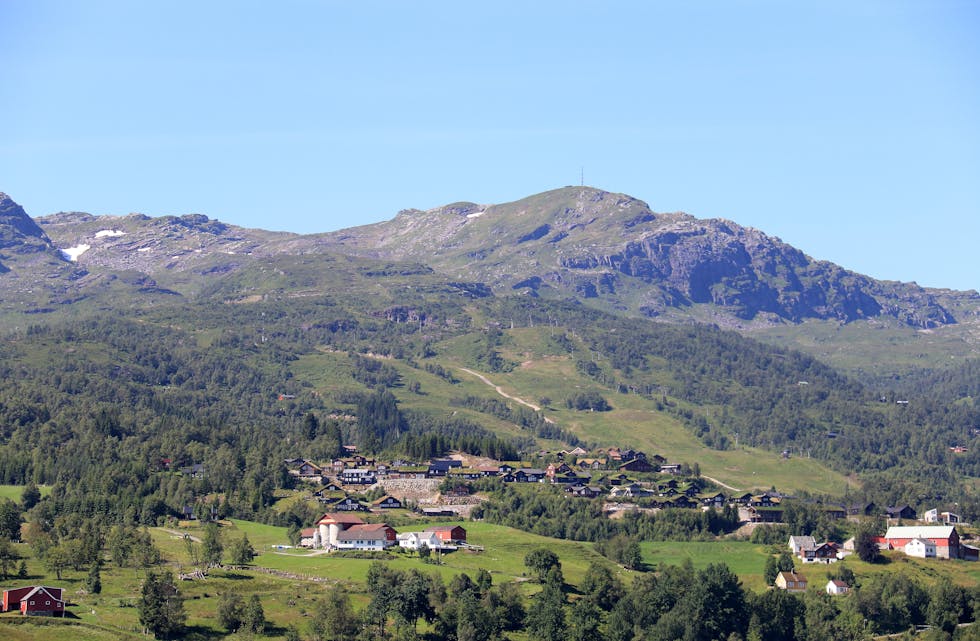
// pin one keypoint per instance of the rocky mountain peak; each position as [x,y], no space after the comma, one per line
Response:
[18,232]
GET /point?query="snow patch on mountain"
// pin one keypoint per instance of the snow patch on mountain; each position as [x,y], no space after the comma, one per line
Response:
[111,233]
[72,253]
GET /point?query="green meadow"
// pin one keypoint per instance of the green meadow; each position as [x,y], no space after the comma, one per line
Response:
[289,581]
[14,492]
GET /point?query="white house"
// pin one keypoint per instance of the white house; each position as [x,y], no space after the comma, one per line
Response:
[415,540]
[935,516]
[797,543]
[368,536]
[836,587]
[922,548]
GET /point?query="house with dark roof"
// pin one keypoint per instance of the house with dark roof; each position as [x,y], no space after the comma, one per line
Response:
[791,582]
[900,512]
[357,476]
[636,465]
[387,502]
[529,475]
[347,504]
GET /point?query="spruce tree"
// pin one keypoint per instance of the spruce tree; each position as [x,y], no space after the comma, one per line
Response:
[161,610]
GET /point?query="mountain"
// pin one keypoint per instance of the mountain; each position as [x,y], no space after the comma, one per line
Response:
[188,339]
[32,270]
[609,251]
[612,250]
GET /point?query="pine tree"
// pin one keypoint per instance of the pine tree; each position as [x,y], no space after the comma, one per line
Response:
[771,571]
[242,551]
[161,610]
[211,546]
[93,582]
[31,496]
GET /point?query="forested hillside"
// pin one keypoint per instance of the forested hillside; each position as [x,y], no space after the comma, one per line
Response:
[109,407]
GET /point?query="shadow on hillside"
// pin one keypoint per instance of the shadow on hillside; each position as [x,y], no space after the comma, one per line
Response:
[201,633]
[235,576]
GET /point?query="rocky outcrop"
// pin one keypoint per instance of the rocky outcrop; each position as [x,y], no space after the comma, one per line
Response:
[19,233]
[749,273]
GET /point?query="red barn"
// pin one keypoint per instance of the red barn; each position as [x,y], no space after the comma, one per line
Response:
[944,537]
[36,600]
[449,533]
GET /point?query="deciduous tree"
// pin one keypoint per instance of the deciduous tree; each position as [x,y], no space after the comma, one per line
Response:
[540,561]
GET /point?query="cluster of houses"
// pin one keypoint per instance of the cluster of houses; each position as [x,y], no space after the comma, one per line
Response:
[922,541]
[808,550]
[610,475]
[360,470]
[344,531]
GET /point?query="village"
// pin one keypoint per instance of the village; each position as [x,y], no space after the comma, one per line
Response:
[358,495]
[624,479]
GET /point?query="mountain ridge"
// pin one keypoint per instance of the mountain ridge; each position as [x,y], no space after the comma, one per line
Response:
[608,250]
[593,244]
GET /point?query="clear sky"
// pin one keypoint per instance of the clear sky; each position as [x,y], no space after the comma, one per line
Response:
[849,129]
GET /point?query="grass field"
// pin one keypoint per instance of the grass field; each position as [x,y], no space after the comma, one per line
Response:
[14,492]
[289,581]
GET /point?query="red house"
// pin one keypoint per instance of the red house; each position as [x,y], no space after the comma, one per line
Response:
[35,600]
[449,533]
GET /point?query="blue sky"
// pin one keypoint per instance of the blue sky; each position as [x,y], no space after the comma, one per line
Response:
[848,129]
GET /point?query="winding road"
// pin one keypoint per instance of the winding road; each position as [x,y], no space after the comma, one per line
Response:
[486,380]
